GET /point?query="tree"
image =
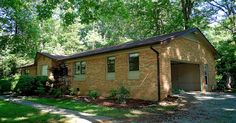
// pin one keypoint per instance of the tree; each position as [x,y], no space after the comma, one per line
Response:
[187,6]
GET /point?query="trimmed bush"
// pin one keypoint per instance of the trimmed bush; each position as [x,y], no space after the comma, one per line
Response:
[25,85]
[5,85]
[93,94]
[120,95]
[40,84]
[29,85]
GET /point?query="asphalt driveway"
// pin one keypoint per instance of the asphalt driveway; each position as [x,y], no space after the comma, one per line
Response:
[212,107]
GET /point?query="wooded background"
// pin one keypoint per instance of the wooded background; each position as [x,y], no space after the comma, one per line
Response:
[72,26]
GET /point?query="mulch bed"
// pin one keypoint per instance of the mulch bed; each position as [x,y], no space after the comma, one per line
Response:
[130,103]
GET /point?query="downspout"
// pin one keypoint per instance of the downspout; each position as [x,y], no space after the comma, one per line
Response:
[158,73]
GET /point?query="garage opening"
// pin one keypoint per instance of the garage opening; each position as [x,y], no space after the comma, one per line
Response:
[185,76]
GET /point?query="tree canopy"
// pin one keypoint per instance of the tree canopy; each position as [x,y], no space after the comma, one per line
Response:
[72,26]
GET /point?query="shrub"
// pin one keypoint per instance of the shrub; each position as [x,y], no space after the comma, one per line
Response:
[41,90]
[25,85]
[5,85]
[57,92]
[177,90]
[113,94]
[93,94]
[40,84]
[29,85]
[72,91]
[122,94]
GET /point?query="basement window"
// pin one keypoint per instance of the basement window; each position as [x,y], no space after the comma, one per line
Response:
[80,70]
[110,68]
[133,66]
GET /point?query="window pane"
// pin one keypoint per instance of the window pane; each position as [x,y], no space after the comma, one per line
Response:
[83,67]
[77,68]
[45,70]
[110,64]
[134,62]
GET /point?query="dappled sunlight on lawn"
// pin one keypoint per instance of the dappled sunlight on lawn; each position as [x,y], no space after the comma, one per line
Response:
[10,112]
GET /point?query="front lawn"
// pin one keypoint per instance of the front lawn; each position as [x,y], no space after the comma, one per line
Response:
[99,110]
[16,113]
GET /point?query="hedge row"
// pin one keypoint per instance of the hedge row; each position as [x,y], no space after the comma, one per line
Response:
[24,85]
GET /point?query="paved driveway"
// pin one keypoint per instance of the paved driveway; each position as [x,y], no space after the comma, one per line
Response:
[213,107]
[198,108]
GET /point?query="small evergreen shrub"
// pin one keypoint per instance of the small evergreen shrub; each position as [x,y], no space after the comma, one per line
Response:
[93,94]
[122,94]
[113,94]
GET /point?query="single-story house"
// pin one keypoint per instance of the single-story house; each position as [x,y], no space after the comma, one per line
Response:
[150,69]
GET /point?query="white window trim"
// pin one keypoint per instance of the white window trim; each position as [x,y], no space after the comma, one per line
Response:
[133,75]
[110,75]
[79,76]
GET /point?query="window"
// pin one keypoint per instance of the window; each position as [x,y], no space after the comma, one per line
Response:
[80,68]
[134,62]
[111,64]
[25,72]
[206,72]
[44,70]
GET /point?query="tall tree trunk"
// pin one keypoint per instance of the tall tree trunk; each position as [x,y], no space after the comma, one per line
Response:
[187,6]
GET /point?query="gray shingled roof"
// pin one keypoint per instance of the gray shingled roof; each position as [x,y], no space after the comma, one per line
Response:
[128,45]
[132,44]
[53,56]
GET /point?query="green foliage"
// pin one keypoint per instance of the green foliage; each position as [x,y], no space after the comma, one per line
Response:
[5,85]
[41,90]
[72,91]
[25,85]
[29,85]
[121,94]
[11,112]
[113,94]
[93,94]
[177,90]
[57,92]
[87,107]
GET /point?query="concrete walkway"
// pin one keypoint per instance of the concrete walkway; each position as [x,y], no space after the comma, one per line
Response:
[72,116]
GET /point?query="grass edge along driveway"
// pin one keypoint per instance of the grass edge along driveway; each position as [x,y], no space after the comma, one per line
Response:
[16,113]
[96,109]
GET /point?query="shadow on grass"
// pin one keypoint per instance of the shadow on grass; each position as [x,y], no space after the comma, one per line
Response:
[15,113]
[100,110]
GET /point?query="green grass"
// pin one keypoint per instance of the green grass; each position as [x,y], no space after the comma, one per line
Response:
[98,110]
[15,113]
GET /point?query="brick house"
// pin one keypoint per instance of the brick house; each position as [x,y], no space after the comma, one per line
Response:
[150,69]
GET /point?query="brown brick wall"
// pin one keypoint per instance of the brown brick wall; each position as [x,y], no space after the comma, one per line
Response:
[143,88]
[32,70]
[43,60]
[187,51]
